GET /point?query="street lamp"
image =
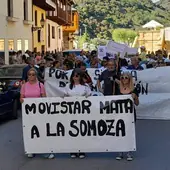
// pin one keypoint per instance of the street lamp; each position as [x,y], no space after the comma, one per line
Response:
[42,22]
[85,26]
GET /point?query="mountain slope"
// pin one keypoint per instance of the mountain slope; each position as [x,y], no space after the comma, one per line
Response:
[165,4]
[102,16]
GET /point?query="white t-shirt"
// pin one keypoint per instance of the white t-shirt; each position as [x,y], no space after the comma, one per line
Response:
[144,66]
[78,90]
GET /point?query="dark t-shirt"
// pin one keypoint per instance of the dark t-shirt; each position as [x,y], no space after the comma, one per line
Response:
[135,91]
[25,72]
[109,81]
[131,67]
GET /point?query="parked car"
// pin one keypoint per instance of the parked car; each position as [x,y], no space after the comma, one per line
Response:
[10,83]
[74,51]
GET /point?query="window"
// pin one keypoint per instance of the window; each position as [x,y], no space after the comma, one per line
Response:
[25,9]
[59,33]
[10,8]
[42,16]
[2,43]
[53,32]
[2,53]
[26,45]
[39,35]
[49,36]
[10,44]
[35,50]
[36,18]
[19,45]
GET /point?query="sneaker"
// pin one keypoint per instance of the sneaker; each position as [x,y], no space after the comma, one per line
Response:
[81,155]
[129,157]
[119,157]
[51,156]
[73,155]
[30,155]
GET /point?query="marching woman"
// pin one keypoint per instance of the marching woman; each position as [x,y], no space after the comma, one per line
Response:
[33,89]
[77,87]
[126,86]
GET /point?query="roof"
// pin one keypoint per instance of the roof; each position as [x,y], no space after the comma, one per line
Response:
[152,24]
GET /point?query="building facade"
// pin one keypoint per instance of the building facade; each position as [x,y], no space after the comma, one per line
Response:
[54,38]
[55,21]
[70,31]
[153,40]
[39,23]
[15,27]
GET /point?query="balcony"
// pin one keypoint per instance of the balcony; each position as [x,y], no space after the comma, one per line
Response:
[74,25]
[62,14]
[58,16]
[48,5]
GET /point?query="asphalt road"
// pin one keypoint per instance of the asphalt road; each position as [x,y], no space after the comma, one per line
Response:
[153,144]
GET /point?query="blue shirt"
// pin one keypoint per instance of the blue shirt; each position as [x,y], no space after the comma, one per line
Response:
[132,67]
[25,73]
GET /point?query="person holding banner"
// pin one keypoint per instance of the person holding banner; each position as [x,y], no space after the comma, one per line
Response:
[87,78]
[33,89]
[108,77]
[77,87]
[126,86]
[104,63]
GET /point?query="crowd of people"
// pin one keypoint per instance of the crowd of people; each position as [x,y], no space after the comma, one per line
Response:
[114,81]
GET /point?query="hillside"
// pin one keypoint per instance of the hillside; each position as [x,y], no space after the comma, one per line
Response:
[165,4]
[101,17]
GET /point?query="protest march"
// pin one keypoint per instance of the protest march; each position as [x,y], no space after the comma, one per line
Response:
[77,104]
[84,84]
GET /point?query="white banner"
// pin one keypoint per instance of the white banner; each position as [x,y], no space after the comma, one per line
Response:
[115,48]
[132,51]
[94,124]
[56,80]
[152,84]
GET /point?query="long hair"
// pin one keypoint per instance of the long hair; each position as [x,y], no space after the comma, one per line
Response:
[131,83]
[78,72]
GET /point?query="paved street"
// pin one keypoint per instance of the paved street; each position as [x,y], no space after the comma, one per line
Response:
[153,143]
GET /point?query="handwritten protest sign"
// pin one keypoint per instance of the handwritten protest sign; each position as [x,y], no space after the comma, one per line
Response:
[115,48]
[94,124]
[152,85]
[101,52]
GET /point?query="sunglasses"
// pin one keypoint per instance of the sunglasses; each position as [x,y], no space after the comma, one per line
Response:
[124,78]
[31,75]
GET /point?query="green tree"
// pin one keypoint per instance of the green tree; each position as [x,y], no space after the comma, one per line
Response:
[124,35]
[103,16]
[83,39]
